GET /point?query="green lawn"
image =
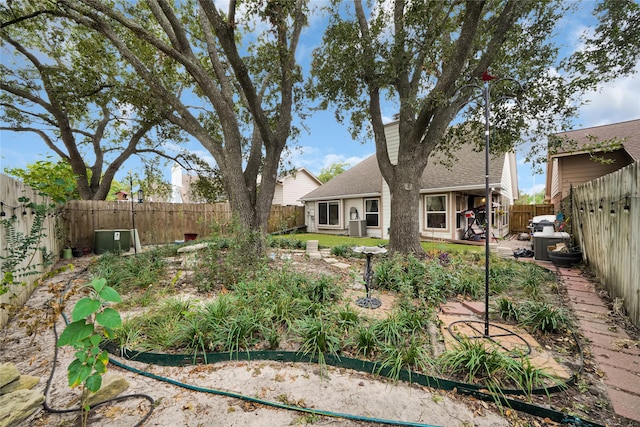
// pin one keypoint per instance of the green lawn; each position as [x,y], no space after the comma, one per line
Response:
[329,241]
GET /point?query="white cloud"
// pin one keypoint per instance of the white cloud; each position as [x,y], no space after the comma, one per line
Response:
[613,102]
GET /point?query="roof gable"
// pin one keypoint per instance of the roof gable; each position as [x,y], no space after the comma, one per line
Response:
[628,132]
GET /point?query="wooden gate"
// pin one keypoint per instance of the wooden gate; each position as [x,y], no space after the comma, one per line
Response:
[519,216]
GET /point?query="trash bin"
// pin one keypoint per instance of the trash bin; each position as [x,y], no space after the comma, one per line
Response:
[541,240]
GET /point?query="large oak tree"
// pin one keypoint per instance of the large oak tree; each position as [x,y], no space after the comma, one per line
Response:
[427,58]
[240,70]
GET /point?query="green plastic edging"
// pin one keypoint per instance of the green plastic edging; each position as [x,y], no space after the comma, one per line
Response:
[165,359]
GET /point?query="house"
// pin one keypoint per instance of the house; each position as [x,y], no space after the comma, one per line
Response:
[574,160]
[358,201]
[181,186]
[290,188]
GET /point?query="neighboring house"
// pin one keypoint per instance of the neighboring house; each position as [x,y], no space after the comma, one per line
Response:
[576,161]
[358,201]
[181,186]
[290,188]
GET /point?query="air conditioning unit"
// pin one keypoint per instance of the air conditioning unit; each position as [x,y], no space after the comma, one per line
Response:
[358,228]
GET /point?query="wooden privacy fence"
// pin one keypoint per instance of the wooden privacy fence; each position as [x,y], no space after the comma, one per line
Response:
[519,216]
[22,224]
[610,242]
[160,223]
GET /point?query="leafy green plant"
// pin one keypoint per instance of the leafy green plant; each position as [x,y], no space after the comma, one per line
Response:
[24,246]
[507,308]
[365,341]
[323,289]
[317,338]
[411,356]
[128,274]
[90,361]
[544,317]
[345,251]
[481,362]
[347,317]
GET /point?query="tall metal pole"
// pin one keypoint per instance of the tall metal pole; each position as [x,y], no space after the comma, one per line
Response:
[487,215]
[133,216]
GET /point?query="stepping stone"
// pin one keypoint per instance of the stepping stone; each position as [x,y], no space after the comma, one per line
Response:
[312,246]
[455,309]
[341,265]
[475,306]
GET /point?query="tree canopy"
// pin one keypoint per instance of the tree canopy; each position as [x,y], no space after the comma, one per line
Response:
[239,73]
[332,170]
[66,84]
[428,60]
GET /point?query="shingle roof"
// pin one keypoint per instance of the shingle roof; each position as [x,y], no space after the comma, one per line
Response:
[362,179]
[468,170]
[628,131]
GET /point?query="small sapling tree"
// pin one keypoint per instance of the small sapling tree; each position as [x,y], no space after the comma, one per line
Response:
[91,360]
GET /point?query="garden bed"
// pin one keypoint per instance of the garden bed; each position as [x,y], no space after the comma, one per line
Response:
[327,290]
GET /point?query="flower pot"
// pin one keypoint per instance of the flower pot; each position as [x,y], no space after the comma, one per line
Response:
[67,253]
[190,236]
[565,259]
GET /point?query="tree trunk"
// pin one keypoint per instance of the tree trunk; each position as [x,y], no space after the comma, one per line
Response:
[405,216]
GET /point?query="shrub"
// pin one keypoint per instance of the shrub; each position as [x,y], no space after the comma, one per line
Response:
[544,317]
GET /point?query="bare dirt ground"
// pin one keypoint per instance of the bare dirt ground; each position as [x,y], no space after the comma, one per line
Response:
[28,341]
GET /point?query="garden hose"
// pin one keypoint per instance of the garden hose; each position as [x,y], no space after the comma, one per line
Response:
[55,362]
[277,405]
[163,359]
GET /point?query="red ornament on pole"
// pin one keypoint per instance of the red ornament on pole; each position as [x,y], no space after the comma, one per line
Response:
[487,77]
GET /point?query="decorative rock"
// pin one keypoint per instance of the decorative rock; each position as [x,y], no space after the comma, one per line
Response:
[341,265]
[24,382]
[17,406]
[8,373]
[193,248]
[112,385]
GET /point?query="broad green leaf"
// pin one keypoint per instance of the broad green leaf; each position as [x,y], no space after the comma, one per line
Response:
[98,284]
[75,332]
[109,294]
[94,382]
[77,373]
[100,367]
[104,357]
[84,308]
[81,355]
[109,318]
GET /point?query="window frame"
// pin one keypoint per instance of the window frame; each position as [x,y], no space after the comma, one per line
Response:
[329,203]
[445,212]
[376,213]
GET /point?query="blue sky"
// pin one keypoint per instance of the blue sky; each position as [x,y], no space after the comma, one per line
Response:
[329,142]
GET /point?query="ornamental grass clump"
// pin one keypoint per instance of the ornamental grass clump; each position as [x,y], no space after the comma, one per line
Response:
[483,363]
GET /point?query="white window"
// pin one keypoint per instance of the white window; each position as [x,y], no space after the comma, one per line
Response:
[372,212]
[329,213]
[436,211]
